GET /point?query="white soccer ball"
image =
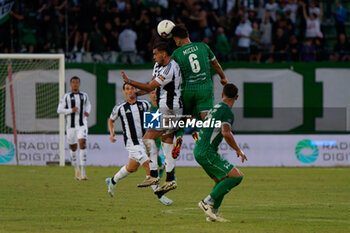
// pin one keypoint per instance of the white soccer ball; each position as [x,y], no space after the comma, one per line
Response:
[164,28]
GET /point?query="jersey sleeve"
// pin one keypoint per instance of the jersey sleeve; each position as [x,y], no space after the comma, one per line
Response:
[165,75]
[227,117]
[148,106]
[115,113]
[87,104]
[155,69]
[211,54]
[63,106]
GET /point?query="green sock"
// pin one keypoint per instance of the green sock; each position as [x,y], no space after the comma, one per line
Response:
[180,133]
[159,161]
[222,188]
[218,201]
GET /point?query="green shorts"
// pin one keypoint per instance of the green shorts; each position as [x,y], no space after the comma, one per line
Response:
[214,165]
[197,101]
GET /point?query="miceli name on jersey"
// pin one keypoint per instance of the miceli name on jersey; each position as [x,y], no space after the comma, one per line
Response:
[190,50]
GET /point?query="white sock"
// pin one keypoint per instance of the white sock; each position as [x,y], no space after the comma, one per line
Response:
[121,174]
[209,200]
[151,150]
[169,161]
[82,157]
[82,162]
[73,155]
[154,187]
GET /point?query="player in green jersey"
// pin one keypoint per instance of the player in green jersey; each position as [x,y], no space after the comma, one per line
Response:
[195,61]
[225,174]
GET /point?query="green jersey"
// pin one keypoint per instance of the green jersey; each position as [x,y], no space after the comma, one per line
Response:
[210,138]
[193,59]
[153,107]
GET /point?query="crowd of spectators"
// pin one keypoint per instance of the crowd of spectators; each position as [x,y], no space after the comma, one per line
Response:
[244,30]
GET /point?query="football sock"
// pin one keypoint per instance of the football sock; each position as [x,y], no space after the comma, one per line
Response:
[82,157]
[154,173]
[209,200]
[82,171]
[73,155]
[218,200]
[112,180]
[222,188]
[120,174]
[170,176]
[169,161]
[155,187]
[160,160]
[151,149]
[82,161]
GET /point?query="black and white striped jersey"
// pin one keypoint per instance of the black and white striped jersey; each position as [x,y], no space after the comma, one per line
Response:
[71,100]
[131,117]
[170,78]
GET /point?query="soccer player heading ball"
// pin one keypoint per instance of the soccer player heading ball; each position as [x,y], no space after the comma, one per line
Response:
[195,60]
[225,174]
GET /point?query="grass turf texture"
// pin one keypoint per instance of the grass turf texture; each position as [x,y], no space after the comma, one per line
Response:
[48,199]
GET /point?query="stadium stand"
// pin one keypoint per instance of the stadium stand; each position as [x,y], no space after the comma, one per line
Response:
[89,31]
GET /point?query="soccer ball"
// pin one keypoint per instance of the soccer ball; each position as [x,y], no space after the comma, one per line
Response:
[164,28]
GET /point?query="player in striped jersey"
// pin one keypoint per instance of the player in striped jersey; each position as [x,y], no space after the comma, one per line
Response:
[76,107]
[131,114]
[167,79]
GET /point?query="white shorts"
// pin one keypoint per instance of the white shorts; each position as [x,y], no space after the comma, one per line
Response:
[170,114]
[138,153]
[73,134]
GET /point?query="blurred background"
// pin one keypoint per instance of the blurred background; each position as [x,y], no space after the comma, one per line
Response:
[236,30]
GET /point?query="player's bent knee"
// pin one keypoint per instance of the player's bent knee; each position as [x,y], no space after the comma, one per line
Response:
[73,147]
[235,173]
[131,169]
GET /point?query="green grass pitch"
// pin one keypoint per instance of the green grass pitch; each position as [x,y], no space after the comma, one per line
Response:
[48,199]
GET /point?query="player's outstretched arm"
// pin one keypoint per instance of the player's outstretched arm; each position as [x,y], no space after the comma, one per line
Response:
[141,92]
[218,69]
[111,130]
[143,86]
[227,134]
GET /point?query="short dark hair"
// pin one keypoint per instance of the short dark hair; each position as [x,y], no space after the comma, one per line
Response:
[163,46]
[180,31]
[75,77]
[126,84]
[230,90]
